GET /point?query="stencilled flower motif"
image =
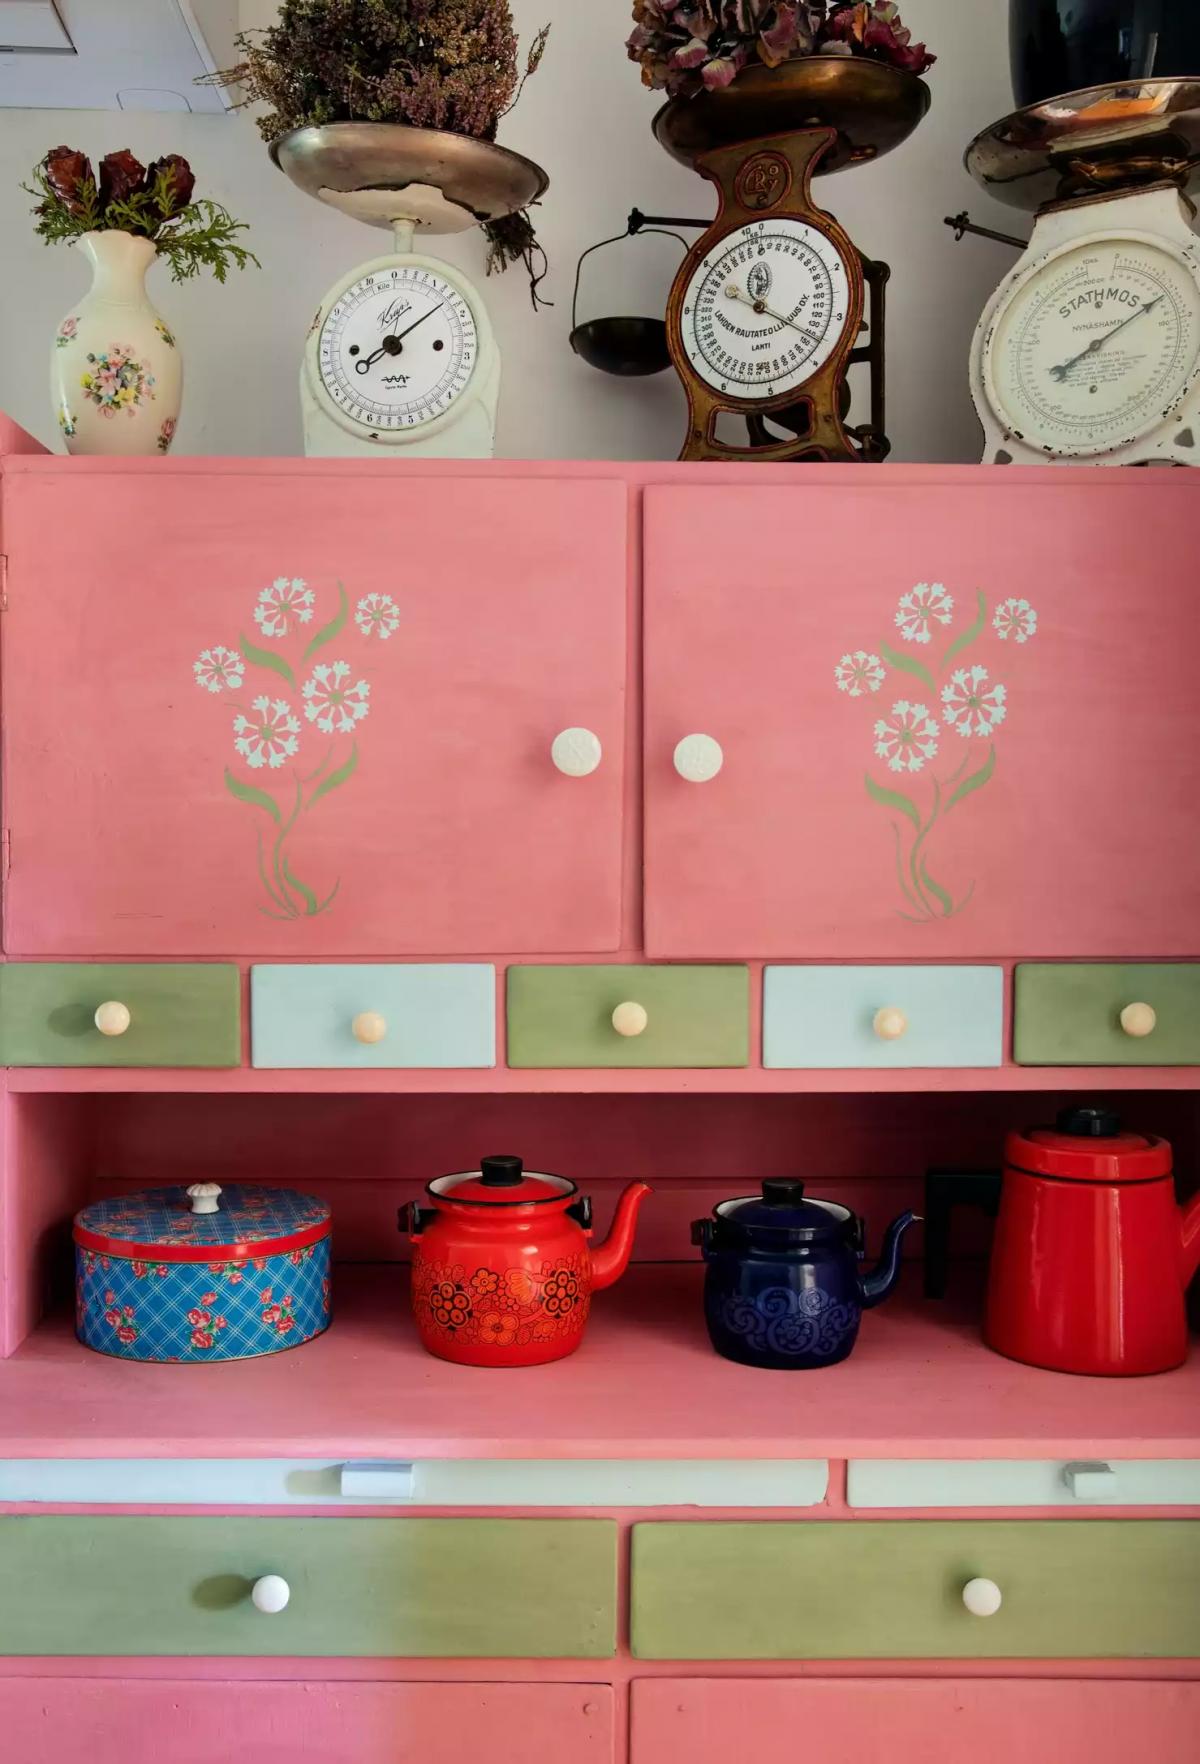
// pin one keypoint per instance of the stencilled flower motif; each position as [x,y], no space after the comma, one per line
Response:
[283,606]
[219,669]
[859,673]
[377,615]
[269,736]
[920,609]
[1015,618]
[909,739]
[332,705]
[970,705]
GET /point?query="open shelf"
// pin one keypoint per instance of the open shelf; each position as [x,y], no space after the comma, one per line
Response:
[645,1384]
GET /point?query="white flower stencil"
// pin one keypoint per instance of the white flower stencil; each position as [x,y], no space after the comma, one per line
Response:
[333,706]
[269,736]
[920,609]
[970,705]
[1015,618]
[219,669]
[859,673]
[377,615]
[909,739]
[283,606]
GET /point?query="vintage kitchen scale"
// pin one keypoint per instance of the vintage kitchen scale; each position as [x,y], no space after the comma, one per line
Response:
[769,307]
[401,357]
[1089,350]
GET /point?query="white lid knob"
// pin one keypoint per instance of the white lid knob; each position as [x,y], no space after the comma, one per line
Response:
[1139,1019]
[982,1598]
[112,1017]
[270,1594]
[630,1018]
[205,1197]
[698,758]
[576,752]
[369,1027]
[889,1023]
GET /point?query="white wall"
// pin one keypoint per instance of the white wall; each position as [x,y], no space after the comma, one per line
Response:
[586,118]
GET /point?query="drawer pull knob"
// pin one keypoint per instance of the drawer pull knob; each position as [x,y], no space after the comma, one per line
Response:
[1139,1020]
[205,1197]
[576,752]
[698,758]
[630,1018]
[270,1594]
[1091,1481]
[112,1017]
[889,1023]
[369,1027]
[982,1598]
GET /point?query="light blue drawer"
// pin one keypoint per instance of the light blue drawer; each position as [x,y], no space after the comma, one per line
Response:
[1022,1482]
[303,1014]
[825,1017]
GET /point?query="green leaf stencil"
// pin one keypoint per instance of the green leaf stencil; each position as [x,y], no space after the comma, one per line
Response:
[328,632]
[976,781]
[906,664]
[967,637]
[893,799]
[252,794]
[336,778]
[267,658]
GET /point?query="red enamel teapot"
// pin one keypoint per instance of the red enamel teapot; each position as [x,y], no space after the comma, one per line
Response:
[503,1267]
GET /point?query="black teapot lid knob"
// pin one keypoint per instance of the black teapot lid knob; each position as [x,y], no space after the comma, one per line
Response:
[782,1191]
[500,1172]
[1088,1123]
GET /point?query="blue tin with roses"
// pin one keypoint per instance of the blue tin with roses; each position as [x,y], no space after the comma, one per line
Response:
[176,1275]
[783,1284]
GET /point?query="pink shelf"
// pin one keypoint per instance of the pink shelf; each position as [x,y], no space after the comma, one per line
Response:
[644,1385]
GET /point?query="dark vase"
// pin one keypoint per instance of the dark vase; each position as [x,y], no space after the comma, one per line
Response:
[1061,46]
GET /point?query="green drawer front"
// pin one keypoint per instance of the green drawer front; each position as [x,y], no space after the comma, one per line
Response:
[181,1014]
[696,1016]
[443,1588]
[1068,1014]
[1072,1589]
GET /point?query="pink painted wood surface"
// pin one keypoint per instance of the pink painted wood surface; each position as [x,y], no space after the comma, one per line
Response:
[47,1721]
[47,1163]
[1079,845]
[645,1384]
[913,1721]
[16,440]
[455,833]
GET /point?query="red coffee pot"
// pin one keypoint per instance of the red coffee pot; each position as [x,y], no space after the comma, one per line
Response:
[503,1267]
[1091,1259]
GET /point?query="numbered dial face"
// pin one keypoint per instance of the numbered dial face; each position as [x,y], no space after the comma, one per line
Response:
[765,309]
[398,348]
[1096,347]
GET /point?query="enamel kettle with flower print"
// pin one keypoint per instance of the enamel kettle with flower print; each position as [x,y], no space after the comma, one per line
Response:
[503,1266]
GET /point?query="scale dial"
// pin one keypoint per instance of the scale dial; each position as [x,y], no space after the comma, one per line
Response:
[764,309]
[397,348]
[1094,346]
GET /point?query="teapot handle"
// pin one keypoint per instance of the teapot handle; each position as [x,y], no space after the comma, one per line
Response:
[581,1211]
[412,1218]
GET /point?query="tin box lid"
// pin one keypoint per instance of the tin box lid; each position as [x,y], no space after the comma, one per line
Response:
[158,1224]
[501,1181]
[1089,1145]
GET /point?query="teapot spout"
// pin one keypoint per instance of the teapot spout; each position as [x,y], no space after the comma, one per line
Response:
[611,1258]
[882,1278]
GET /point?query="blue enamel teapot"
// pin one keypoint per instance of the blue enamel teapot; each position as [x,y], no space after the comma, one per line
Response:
[783,1286]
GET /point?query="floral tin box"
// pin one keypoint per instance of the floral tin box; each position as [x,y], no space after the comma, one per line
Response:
[202,1273]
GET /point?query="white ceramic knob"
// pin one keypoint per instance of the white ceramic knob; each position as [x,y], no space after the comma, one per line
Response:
[270,1594]
[369,1027]
[1139,1020]
[205,1197]
[982,1598]
[889,1023]
[698,758]
[576,752]
[112,1017]
[630,1018]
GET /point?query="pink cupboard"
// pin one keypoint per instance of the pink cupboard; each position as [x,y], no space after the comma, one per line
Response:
[373,798]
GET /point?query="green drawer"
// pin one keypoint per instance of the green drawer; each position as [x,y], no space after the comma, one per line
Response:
[1069,1014]
[412,1588]
[563,1016]
[1103,1589]
[181,1014]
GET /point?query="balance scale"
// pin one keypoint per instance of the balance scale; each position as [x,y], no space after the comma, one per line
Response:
[401,357]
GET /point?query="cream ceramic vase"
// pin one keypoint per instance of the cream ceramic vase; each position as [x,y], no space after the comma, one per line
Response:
[116,376]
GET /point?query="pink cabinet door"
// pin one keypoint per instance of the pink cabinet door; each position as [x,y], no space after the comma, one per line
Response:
[958,711]
[915,1721]
[311,713]
[116,1721]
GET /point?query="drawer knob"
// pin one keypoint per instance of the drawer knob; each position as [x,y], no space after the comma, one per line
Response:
[270,1594]
[112,1017]
[982,1598]
[576,752]
[698,758]
[630,1018]
[205,1197]
[369,1027]
[1139,1020]
[889,1023]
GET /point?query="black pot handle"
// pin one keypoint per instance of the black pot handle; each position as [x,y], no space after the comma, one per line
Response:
[702,1234]
[412,1219]
[581,1211]
[945,1190]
